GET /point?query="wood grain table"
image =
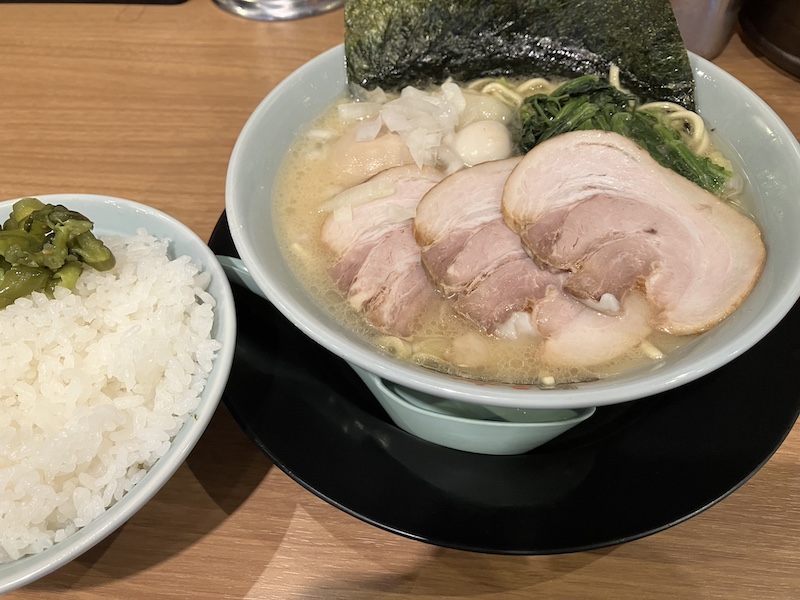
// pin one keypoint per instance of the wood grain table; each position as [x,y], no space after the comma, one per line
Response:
[145,102]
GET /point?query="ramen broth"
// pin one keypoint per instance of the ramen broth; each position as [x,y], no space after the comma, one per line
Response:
[442,339]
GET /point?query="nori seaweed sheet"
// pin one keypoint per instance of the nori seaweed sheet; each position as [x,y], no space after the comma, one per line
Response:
[395,43]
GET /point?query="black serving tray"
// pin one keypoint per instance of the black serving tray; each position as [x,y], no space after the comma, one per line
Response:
[630,471]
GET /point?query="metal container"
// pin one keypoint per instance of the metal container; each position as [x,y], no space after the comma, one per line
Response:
[706,25]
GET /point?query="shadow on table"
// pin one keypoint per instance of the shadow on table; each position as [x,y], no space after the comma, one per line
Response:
[457,574]
[215,481]
[688,556]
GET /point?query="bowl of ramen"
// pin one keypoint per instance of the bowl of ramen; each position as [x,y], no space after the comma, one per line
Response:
[576,275]
[114,363]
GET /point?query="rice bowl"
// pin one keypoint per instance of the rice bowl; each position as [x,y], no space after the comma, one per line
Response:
[129,419]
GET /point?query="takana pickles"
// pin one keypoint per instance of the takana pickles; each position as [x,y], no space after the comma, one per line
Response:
[43,246]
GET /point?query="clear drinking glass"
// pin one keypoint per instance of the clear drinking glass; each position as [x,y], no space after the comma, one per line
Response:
[278,10]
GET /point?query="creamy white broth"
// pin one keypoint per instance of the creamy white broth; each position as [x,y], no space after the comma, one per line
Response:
[306,182]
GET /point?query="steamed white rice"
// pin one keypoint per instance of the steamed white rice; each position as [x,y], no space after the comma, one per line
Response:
[93,387]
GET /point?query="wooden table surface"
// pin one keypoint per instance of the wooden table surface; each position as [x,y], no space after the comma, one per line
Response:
[145,102]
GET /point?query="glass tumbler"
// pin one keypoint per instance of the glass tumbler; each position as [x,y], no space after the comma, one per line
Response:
[278,10]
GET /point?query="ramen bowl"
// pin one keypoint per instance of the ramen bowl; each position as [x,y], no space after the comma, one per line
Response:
[747,129]
[471,427]
[116,216]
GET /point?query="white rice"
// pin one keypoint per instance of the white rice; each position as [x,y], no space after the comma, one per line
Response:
[93,387]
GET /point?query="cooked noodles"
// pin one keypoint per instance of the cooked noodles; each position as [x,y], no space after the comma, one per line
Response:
[687,122]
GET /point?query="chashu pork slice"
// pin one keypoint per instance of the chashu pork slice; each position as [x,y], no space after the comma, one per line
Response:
[377,260]
[575,335]
[391,287]
[469,252]
[460,227]
[596,205]
[476,259]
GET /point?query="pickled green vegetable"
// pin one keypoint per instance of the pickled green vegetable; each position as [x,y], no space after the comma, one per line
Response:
[43,246]
[19,281]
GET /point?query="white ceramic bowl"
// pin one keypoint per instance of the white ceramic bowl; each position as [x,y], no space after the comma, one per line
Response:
[114,216]
[765,147]
[471,427]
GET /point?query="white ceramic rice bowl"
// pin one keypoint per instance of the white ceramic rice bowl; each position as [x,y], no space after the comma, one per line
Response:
[763,144]
[115,216]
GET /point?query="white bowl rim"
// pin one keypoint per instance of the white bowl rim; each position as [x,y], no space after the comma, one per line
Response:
[470,391]
[30,568]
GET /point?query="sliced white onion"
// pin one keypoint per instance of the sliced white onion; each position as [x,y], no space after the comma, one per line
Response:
[355,111]
[369,130]
[423,120]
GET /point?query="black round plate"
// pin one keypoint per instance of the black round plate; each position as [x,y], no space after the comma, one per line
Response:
[629,471]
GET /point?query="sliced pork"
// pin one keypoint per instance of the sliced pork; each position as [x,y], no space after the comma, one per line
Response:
[479,262]
[595,205]
[470,253]
[578,336]
[377,260]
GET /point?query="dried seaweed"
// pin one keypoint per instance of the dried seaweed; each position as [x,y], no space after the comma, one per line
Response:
[392,44]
